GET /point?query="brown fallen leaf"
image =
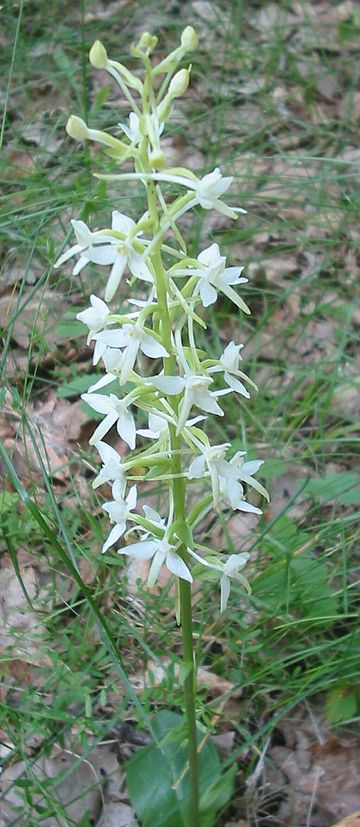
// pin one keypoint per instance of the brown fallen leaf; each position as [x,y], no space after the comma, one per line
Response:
[80,792]
[350,821]
[322,770]
[117,814]
[20,626]
[52,425]
[157,672]
[34,318]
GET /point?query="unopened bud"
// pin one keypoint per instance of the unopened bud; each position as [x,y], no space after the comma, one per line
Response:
[77,128]
[164,109]
[98,55]
[179,83]
[157,159]
[147,42]
[189,39]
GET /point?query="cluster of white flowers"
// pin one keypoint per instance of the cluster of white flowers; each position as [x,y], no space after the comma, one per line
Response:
[149,353]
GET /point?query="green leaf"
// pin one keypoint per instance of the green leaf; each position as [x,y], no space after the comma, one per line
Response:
[298,582]
[70,329]
[77,386]
[216,796]
[162,797]
[341,704]
[345,488]
[8,502]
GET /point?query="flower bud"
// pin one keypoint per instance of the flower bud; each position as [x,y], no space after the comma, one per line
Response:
[98,55]
[77,128]
[147,44]
[189,39]
[164,109]
[179,83]
[157,159]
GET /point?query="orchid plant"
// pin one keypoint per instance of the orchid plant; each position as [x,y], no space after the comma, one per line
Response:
[149,352]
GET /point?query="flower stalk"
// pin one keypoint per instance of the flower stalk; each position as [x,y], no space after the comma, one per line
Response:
[151,349]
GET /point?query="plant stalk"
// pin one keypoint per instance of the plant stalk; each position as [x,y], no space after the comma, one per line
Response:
[189,698]
[178,487]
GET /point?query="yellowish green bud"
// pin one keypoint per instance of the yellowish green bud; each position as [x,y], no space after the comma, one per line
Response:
[189,39]
[77,128]
[147,44]
[164,108]
[98,55]
[157,159]
[179,83]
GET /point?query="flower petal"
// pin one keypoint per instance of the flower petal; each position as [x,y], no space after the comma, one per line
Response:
[168,384]
[141,551]
[138,268]
[155,568]
[176,565]
[107,453]
[121,223]
[103,428]
[126,428]
[208,294]
[225,592]
[131,497]
[197,469]
[115,277]
[113,338]
[130,355]
[76,248]
[116,532]
[98,402]
[152,348]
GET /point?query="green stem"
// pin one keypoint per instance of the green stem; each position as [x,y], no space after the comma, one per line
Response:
[189,698]
[178,483]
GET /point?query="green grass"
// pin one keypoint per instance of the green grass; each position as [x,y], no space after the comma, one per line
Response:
[291,150]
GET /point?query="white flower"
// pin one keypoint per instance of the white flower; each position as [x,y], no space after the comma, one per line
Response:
[89,245]
[214,277]
[229,363]
[133,130]
[225,476]
[153,516]
[162,552]
[112,469]
[237,469]
[158,428]
[96,319]
[209,190]
[232,568]
[113,359]
[116,410]
[103,248]
[124,255]
[196,392]
[119,511]
[210,462]
[132,337]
